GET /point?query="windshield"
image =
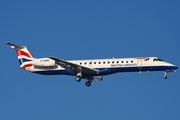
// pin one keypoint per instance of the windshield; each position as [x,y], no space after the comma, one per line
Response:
[157,59]
[160,59]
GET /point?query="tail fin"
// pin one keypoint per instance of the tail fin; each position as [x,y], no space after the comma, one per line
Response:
[23,54]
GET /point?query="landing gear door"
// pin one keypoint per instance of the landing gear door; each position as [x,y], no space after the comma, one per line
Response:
[139,63]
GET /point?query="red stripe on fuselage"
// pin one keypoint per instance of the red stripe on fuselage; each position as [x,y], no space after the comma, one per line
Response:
[27,65]
[19,53]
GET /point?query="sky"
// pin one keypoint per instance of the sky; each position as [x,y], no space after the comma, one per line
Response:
[90,29]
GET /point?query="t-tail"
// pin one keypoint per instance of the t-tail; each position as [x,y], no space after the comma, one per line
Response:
[23,54]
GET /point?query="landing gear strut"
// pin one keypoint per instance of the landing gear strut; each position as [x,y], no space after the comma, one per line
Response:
[165,75]
[78,77]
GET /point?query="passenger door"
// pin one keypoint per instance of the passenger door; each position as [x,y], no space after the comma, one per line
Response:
[139,63]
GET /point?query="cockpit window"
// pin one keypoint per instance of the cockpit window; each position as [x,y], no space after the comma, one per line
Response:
[160,60]
[157,59]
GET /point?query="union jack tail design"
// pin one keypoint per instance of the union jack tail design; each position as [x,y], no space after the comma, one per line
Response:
[23,54]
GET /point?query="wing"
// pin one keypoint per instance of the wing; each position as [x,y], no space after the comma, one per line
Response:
[74,68]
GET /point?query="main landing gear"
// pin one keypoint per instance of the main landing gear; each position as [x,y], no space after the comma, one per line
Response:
[78,77]
[88,83]
[165,75]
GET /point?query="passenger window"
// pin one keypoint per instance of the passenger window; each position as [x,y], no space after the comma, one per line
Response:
[122,61]
[126,61]
[112,61]
[94,62]
[108,62]
[117,61]
[80,63]
[90,62]
[99,62]
[85,63]
[131,61]
[104,62]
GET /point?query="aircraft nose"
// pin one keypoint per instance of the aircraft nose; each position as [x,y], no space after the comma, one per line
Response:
[175,67]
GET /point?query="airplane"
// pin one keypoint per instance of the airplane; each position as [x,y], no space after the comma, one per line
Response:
[92,69]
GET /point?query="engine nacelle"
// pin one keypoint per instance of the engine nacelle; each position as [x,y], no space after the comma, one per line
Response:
[44,62]
[98,78]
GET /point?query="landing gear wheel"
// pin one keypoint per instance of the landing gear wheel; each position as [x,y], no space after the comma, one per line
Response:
[88,84]
[78,79]
[165,77]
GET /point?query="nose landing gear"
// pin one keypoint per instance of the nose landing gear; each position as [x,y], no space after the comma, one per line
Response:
[165,75]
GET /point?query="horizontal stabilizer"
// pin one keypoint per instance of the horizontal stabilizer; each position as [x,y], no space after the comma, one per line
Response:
[22,52]
[14,46]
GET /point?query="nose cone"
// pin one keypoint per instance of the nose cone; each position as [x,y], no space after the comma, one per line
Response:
[175,67]
[171,66]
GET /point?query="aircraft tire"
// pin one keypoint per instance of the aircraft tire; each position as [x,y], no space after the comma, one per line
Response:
[88,84]
[165,77]
[78,79]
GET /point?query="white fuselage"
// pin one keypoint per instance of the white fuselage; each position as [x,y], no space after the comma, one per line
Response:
[93,69]
[105,66]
